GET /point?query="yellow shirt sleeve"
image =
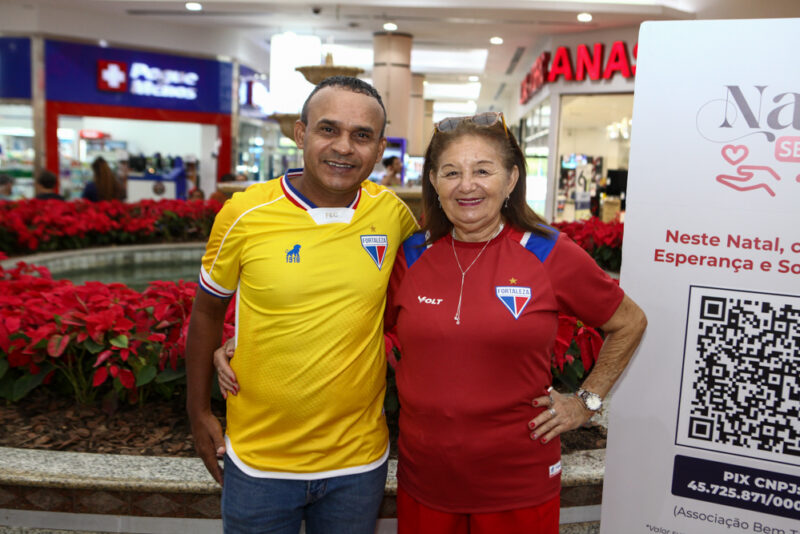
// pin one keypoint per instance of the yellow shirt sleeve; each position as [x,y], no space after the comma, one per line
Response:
[219,274]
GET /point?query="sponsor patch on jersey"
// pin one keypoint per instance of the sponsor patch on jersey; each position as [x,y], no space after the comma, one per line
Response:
[555,469]
[514,298]
[376,246]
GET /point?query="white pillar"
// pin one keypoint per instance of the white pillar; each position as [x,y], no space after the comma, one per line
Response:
[416,119]
[391,76]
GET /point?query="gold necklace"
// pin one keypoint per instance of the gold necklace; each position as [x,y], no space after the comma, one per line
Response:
[457,317]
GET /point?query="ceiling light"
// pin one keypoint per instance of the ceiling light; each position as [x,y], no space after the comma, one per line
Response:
[496,40]
[473,78]
[194,6]
[584,17]
[390,26]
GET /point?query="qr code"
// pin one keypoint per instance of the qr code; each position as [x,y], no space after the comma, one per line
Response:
[740,389]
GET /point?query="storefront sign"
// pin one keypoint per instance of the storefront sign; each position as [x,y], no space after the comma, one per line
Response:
[120,77]
[704,436]
[254,97]
[93,134]
[588,64]
[15,67]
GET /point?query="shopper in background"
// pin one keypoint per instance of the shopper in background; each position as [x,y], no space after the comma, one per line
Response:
[394,171]
[309,257]
[218,195]
[196,194]
[191,165]
[46,184]
[6,187]
[104,185]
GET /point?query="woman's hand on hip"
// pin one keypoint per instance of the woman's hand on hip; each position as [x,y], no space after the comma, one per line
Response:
[225,375]
[561,413]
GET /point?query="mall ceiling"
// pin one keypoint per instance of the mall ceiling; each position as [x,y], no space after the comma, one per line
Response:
[436,25]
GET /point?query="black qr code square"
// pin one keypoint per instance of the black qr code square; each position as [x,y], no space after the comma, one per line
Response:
[740,389]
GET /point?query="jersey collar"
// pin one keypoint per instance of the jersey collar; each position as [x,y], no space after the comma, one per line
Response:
[296,198]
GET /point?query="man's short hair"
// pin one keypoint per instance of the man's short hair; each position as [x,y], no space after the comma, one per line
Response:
[350,83]
[6,179]
[47,179]
[387,162]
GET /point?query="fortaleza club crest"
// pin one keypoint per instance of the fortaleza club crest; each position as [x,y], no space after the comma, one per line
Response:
[514,298]
[375,245]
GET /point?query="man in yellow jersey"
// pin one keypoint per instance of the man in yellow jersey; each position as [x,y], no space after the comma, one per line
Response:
[308,257]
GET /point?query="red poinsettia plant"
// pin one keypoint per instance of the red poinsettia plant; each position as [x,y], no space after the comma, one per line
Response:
[575,352]
[92,339]
[33,225]
[603,241]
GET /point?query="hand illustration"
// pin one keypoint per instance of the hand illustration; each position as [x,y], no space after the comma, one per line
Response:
[750,177]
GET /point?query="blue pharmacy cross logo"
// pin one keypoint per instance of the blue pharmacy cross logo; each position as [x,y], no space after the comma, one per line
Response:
[293,254]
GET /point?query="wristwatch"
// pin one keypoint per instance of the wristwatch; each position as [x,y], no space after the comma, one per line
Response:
[592,401]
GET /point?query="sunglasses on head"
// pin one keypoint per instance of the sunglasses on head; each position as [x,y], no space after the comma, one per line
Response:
[484,120]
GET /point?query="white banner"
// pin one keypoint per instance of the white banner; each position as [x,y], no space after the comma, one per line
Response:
[704,434]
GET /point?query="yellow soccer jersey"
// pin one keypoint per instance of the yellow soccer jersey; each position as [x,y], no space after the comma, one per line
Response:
[310,289]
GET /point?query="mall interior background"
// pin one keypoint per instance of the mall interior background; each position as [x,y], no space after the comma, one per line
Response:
[574,123]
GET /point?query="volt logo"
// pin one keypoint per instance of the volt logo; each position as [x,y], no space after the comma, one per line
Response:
[375,245]
[428,300]
[514,298]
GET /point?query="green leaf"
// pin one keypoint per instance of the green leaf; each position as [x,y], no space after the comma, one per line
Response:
[25,384]
[93,346]
[3,367]
[6,387]
[146,375]
[168,375]
[120,341]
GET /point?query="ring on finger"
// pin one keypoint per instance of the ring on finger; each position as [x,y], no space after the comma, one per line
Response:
[552,411]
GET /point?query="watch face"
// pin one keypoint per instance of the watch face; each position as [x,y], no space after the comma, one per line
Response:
[593,402]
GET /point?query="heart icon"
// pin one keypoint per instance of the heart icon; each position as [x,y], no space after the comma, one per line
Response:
[733,154]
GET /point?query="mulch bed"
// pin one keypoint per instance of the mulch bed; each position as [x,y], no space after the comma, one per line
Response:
[159,428]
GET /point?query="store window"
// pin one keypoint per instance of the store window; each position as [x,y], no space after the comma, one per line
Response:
[593,150]
[16,147]
[535,135]
[154,159]
[263,152]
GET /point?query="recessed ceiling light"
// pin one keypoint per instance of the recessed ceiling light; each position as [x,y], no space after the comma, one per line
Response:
[194,6]
[390,26]
[584,17]
[473,78]
[496,40]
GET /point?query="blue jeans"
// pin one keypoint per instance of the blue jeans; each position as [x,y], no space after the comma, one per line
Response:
[347,504]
